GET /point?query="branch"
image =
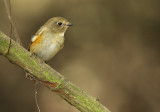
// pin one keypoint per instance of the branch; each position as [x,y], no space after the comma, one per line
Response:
[49,77]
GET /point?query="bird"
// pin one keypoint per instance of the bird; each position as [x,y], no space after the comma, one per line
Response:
[49,39]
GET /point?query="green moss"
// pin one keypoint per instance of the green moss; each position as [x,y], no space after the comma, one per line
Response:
[70,92]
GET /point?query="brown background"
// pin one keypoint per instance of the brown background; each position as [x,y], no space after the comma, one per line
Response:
[112,53]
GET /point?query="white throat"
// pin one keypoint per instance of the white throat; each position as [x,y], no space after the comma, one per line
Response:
[61,34]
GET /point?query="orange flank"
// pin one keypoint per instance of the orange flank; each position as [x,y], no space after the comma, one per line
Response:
[37,41]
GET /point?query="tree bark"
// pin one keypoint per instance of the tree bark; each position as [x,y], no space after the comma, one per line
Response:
[48,76]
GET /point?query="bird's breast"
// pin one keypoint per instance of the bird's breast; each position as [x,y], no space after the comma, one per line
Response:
[51,47]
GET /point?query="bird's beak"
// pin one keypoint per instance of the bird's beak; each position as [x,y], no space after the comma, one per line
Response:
[69,24]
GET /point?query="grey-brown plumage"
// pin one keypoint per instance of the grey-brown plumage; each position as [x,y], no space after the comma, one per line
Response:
[49,39]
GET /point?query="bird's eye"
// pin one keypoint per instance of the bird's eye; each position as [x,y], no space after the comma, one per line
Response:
[59,23]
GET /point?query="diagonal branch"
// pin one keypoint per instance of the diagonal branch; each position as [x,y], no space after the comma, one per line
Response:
[49,77]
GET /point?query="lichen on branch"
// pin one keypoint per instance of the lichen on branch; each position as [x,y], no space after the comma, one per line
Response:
[49,77]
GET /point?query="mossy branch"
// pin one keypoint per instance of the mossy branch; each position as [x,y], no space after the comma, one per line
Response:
[49,77]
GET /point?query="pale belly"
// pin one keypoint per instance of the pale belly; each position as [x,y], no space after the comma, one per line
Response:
[50,49]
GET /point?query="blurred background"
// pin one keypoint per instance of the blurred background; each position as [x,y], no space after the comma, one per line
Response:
[112,52]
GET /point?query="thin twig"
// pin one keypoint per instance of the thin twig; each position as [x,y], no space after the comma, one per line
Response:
[8,10]
[11,27]
[10,13]
[35,95]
